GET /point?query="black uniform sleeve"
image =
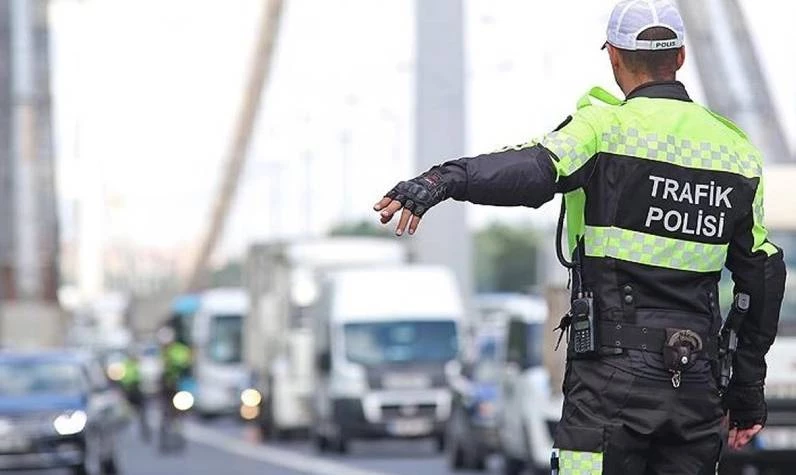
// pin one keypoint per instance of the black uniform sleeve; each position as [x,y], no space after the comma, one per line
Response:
[758,269]
[528,175]
[510,177]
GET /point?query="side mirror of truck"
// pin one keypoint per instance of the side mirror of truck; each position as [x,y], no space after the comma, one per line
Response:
[324,362]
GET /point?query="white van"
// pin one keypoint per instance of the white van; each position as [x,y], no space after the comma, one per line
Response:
[529,408]
[218,351]
[384,337]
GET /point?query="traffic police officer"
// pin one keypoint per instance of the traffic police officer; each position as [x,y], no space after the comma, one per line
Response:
[177,360]
[131,383]
[660,194]
[176,357]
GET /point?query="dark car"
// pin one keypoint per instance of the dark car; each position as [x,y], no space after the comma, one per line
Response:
[57,409]
[471,433]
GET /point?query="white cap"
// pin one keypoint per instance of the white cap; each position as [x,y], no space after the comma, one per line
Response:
[631,17]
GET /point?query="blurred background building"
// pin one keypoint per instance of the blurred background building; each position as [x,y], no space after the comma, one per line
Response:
[29,226]
[29,239]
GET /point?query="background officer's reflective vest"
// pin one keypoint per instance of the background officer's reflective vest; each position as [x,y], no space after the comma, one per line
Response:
[131,377]
[176,361]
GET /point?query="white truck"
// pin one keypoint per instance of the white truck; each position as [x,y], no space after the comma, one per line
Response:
[776,445]
[281,279]
[217,346]
[384,340]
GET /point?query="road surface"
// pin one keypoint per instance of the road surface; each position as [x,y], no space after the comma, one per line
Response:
[224,447]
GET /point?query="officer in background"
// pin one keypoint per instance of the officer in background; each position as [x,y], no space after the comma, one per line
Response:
[176,357]
[131,383]
[660,194]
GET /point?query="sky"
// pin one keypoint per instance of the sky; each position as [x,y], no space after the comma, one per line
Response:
[146,92]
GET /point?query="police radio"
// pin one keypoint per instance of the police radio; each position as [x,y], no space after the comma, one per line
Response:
[583,339]
[579,322]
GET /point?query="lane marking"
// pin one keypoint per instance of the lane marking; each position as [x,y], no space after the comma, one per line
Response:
[300,462]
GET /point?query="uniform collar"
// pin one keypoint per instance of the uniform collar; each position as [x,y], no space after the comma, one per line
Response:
[661,90]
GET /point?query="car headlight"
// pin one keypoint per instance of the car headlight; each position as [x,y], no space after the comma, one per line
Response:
[182,401]
[251,397]
[70,423]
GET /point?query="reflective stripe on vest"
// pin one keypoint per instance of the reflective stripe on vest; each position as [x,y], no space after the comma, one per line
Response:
[704,155]
[572,462]
[658,251]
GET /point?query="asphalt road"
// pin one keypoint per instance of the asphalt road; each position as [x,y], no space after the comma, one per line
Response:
[417,457]
[224,447]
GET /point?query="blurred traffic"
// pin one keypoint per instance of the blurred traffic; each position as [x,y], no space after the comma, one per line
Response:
[346,373]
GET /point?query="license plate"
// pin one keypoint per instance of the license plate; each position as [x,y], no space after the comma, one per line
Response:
[406,381]
[13,443]
[777,438]
[410,427]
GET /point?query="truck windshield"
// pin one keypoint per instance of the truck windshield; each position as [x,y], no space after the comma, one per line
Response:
[225,342]
[377,343]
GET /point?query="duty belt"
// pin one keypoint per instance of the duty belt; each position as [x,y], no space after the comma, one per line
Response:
[627,336]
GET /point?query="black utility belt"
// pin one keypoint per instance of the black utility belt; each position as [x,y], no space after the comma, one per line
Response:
[687,344]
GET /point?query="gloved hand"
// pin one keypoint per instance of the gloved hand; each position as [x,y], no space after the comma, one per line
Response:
[415,196]
[746,405]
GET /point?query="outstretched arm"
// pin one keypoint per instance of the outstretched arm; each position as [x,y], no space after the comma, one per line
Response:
[527,175]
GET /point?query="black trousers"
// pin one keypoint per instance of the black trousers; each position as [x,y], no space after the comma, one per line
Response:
[614,422]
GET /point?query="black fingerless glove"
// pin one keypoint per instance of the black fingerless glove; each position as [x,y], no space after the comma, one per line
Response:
[747,405]
[419,194]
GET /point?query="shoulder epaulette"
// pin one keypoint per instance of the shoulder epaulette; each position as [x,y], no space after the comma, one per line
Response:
[601,95]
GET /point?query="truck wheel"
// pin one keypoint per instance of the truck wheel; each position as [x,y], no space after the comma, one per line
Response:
[109,466]
[273,431]
[206,416]
[320,442]
[455,455]
[452,446]
[341,444]
[479,463]
[265,434]
[280,435]
[440,442]
[512,466]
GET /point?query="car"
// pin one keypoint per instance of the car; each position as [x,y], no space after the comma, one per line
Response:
[530,408]
[57,410]
[471,434]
